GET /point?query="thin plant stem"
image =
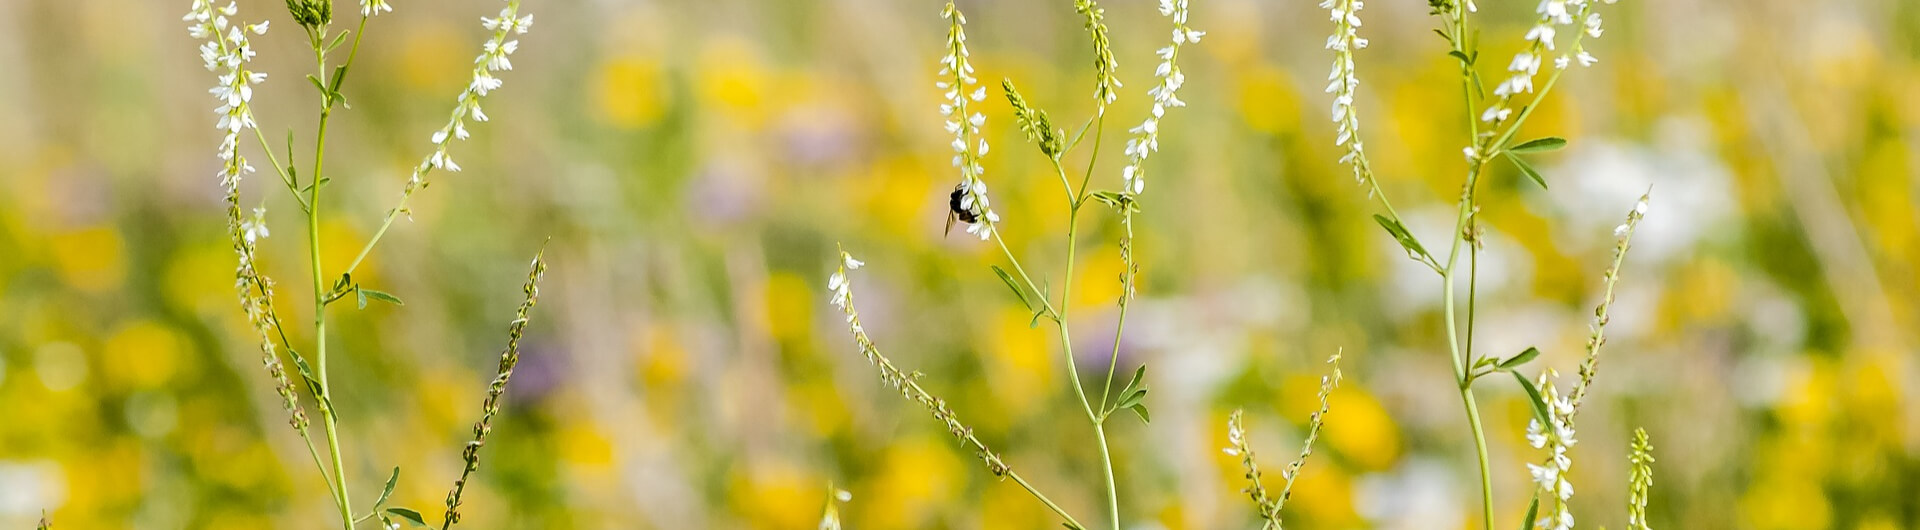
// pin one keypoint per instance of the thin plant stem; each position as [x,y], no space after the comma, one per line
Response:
[1460,367]
[1017,479]
[285,177]
[330,420]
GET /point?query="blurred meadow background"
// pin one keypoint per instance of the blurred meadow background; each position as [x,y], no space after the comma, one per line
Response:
[695,162]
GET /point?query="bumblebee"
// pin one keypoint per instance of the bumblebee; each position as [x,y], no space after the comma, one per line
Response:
[956,212]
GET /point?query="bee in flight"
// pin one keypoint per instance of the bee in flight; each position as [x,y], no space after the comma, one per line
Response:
[955,211]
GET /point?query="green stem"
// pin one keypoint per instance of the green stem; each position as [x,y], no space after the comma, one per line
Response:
[329,419]
[1043,499]
[285,177]
[1480,445]
[1460,364]
[1113,493]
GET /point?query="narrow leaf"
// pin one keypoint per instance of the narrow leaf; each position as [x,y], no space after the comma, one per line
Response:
[1139,376]
[337,40]
[410,515]
[1520,358]
[317,84]
[1533,395]
[381,296]
[1017,291]
[313,382]
[388,491]
[1527,169]
[1405,238]
[1141,410]
[1539,145]
[339,76]
[1132,399]
[1533,510]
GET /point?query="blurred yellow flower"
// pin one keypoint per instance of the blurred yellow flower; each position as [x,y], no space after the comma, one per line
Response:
[90,258]
[1268,101]
[1360,429]
[789,305]
[732,80]
[142,354]
[1019,364]
[776,495]
[917,475]
[630,91]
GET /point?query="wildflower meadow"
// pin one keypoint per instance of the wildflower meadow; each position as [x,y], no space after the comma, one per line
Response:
[861,264]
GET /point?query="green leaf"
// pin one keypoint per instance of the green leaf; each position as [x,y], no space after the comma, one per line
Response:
[1520,358]
[410,515]
[1462,56]
[322,183]
[318,85]
[1533,510]
[1139,376]
[290,164]
[339,76]
[377,295]
[1533,395]
[1400,233]
[313,382]
[388,491]
[1140,410]
[1118,201]
[1539,145]
[1133,398]
[1017,291]
[342,283]
[1527,169]
[337,40]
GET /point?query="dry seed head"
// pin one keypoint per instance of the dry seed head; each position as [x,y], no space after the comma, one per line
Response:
[509,358]
[1623,238]
[841,287]
[227,52]
[1270,507]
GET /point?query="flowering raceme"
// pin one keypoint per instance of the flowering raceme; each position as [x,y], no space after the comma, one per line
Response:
[1146,137]
[959,86]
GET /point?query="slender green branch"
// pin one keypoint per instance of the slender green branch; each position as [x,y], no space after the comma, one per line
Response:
[329,419]
[1017,479]
[285,177]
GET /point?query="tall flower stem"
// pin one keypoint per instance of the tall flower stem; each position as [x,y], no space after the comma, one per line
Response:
[329,418]
[1460,361]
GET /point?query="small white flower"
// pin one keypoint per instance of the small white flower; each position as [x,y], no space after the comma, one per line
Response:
[1146,136]
[255,228]
[374,7]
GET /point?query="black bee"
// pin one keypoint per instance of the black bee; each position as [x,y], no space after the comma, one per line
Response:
[955,211]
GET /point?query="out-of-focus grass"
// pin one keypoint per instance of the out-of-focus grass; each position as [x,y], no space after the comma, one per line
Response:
[694,163]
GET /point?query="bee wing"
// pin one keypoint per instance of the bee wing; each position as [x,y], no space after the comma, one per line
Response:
[950,218]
